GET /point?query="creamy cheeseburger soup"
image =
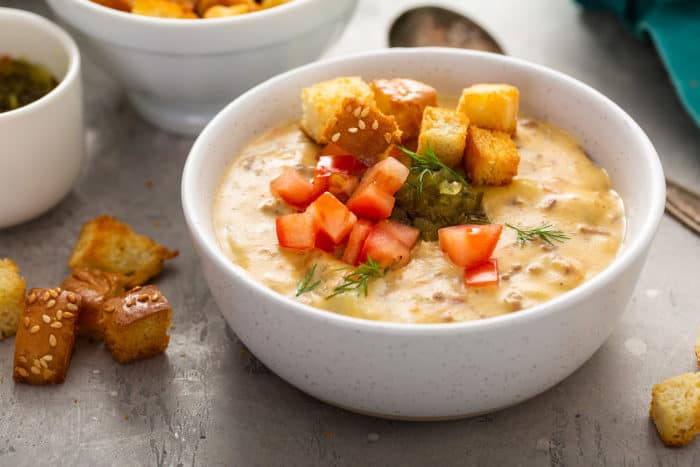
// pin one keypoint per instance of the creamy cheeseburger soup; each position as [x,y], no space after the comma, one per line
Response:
[522,236]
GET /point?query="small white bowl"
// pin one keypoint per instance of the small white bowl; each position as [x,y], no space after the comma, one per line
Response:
[42,142]
[180,73]
[430,371]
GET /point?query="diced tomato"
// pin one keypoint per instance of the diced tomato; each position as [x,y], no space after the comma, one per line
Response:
[371,202]
[388,174]
[468,245]
[325,242]
[386,250]
[342,185]
[343,163]
[296,231]
[294,189]
[482,274]
[332,217]
[404,233]
[356,241]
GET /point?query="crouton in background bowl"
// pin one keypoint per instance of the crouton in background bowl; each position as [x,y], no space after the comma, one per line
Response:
[179,73]
[429,371]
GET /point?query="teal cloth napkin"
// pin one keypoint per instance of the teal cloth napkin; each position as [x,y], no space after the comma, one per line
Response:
[674,28]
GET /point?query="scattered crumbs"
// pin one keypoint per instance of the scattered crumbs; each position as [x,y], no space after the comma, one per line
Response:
[113,393]
[578,415]
[636,346]
[149,184]
[652,293]
[126,417]
[372,437]
[328,434]
[95,372]
[75,401]
[183,354]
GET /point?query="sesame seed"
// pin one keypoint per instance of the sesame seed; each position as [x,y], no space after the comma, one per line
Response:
[36,370]
[43,363]
[34,329]
[71,297]
[348,108]
[387,137]
[52,340]
[352,130]
[58,289]
[31,299]
[143,298]
[361,124]
[46,318]
[57,325]
[48,357]
[335,137]
[27,321]
[155,297]
[46,295]
[53,293]
[22,372]
[22,359]
[365,112]
[51,303]
[375,125]
[72,307]
[109,308]
[59,314]
[136,289]
[357,111]
[36,362]
[68,315]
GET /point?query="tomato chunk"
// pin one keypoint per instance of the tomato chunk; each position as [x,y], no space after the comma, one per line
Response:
[468,245]
[388,174]
[404,233]
[294,189]
[325,242]
[386,250]
[296,231]
[482,275]
[332,217]
[356,241]
[371,202]
[343,163]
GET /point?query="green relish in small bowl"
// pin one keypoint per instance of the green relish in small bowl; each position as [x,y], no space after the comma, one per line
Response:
[22,82]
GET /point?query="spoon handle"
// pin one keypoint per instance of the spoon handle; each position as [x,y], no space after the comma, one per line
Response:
[684,205]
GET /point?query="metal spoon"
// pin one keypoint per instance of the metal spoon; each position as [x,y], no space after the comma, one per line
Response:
[432,26]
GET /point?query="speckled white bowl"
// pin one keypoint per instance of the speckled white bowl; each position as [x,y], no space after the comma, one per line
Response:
[440,370]
[179,73]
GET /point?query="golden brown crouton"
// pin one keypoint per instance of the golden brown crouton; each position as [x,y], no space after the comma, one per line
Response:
[323,100]
[445,132]
[491,157]
[109,245]
[46,336]
[163,9]
[11,297]
[220,11]
[122,5]
[94,287]
[405,99]
[362,130]
[675,408]
[491,106]
[136,324]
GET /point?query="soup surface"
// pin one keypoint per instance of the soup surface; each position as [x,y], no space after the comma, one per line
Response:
[556,184]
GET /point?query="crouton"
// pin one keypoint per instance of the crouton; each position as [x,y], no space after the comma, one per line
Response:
[136,324]
[94,287]
[11,297]
[491,106]
[122,5]
[202,7]
[444,131]
[491,157]
[675,409]
[323,100]
[109,245]
[405,99]
[362,130]
[220,11]
[163,9]
[46,336]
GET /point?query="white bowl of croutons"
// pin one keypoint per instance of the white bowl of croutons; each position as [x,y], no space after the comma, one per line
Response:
[399,347]
[178,73]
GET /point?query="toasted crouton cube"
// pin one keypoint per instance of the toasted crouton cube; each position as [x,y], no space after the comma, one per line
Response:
[11,297]
[491,157]
[122,5]
[109,245]
[46,336]
[220,11]
[323,100]
[163,9]
[362,130]
[444,131]
[94,287]
[491,106]
[405,99]
[675,409]
[136,324]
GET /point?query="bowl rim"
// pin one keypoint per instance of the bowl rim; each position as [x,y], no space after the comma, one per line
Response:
[68,44]
[633,251]
[181,23]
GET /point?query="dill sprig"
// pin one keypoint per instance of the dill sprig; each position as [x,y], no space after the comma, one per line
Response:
[357,279]
[545,232]
[429,162]
[305,285]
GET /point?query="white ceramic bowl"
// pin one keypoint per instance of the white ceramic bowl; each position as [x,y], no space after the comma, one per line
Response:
[429,371]
[180,73]
[41,147]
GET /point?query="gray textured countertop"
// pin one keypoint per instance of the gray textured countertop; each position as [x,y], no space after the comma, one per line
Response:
[208,403]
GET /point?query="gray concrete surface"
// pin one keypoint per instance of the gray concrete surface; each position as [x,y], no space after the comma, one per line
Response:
[207,402]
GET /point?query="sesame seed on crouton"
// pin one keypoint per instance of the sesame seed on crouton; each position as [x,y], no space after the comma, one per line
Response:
[12,289]
[445,132]
[675,409]
[405,99]
[491,157]
[491,106]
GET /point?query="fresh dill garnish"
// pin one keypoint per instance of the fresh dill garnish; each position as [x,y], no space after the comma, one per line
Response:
[545,232]
[429,162]
[357,279]
[305,285]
